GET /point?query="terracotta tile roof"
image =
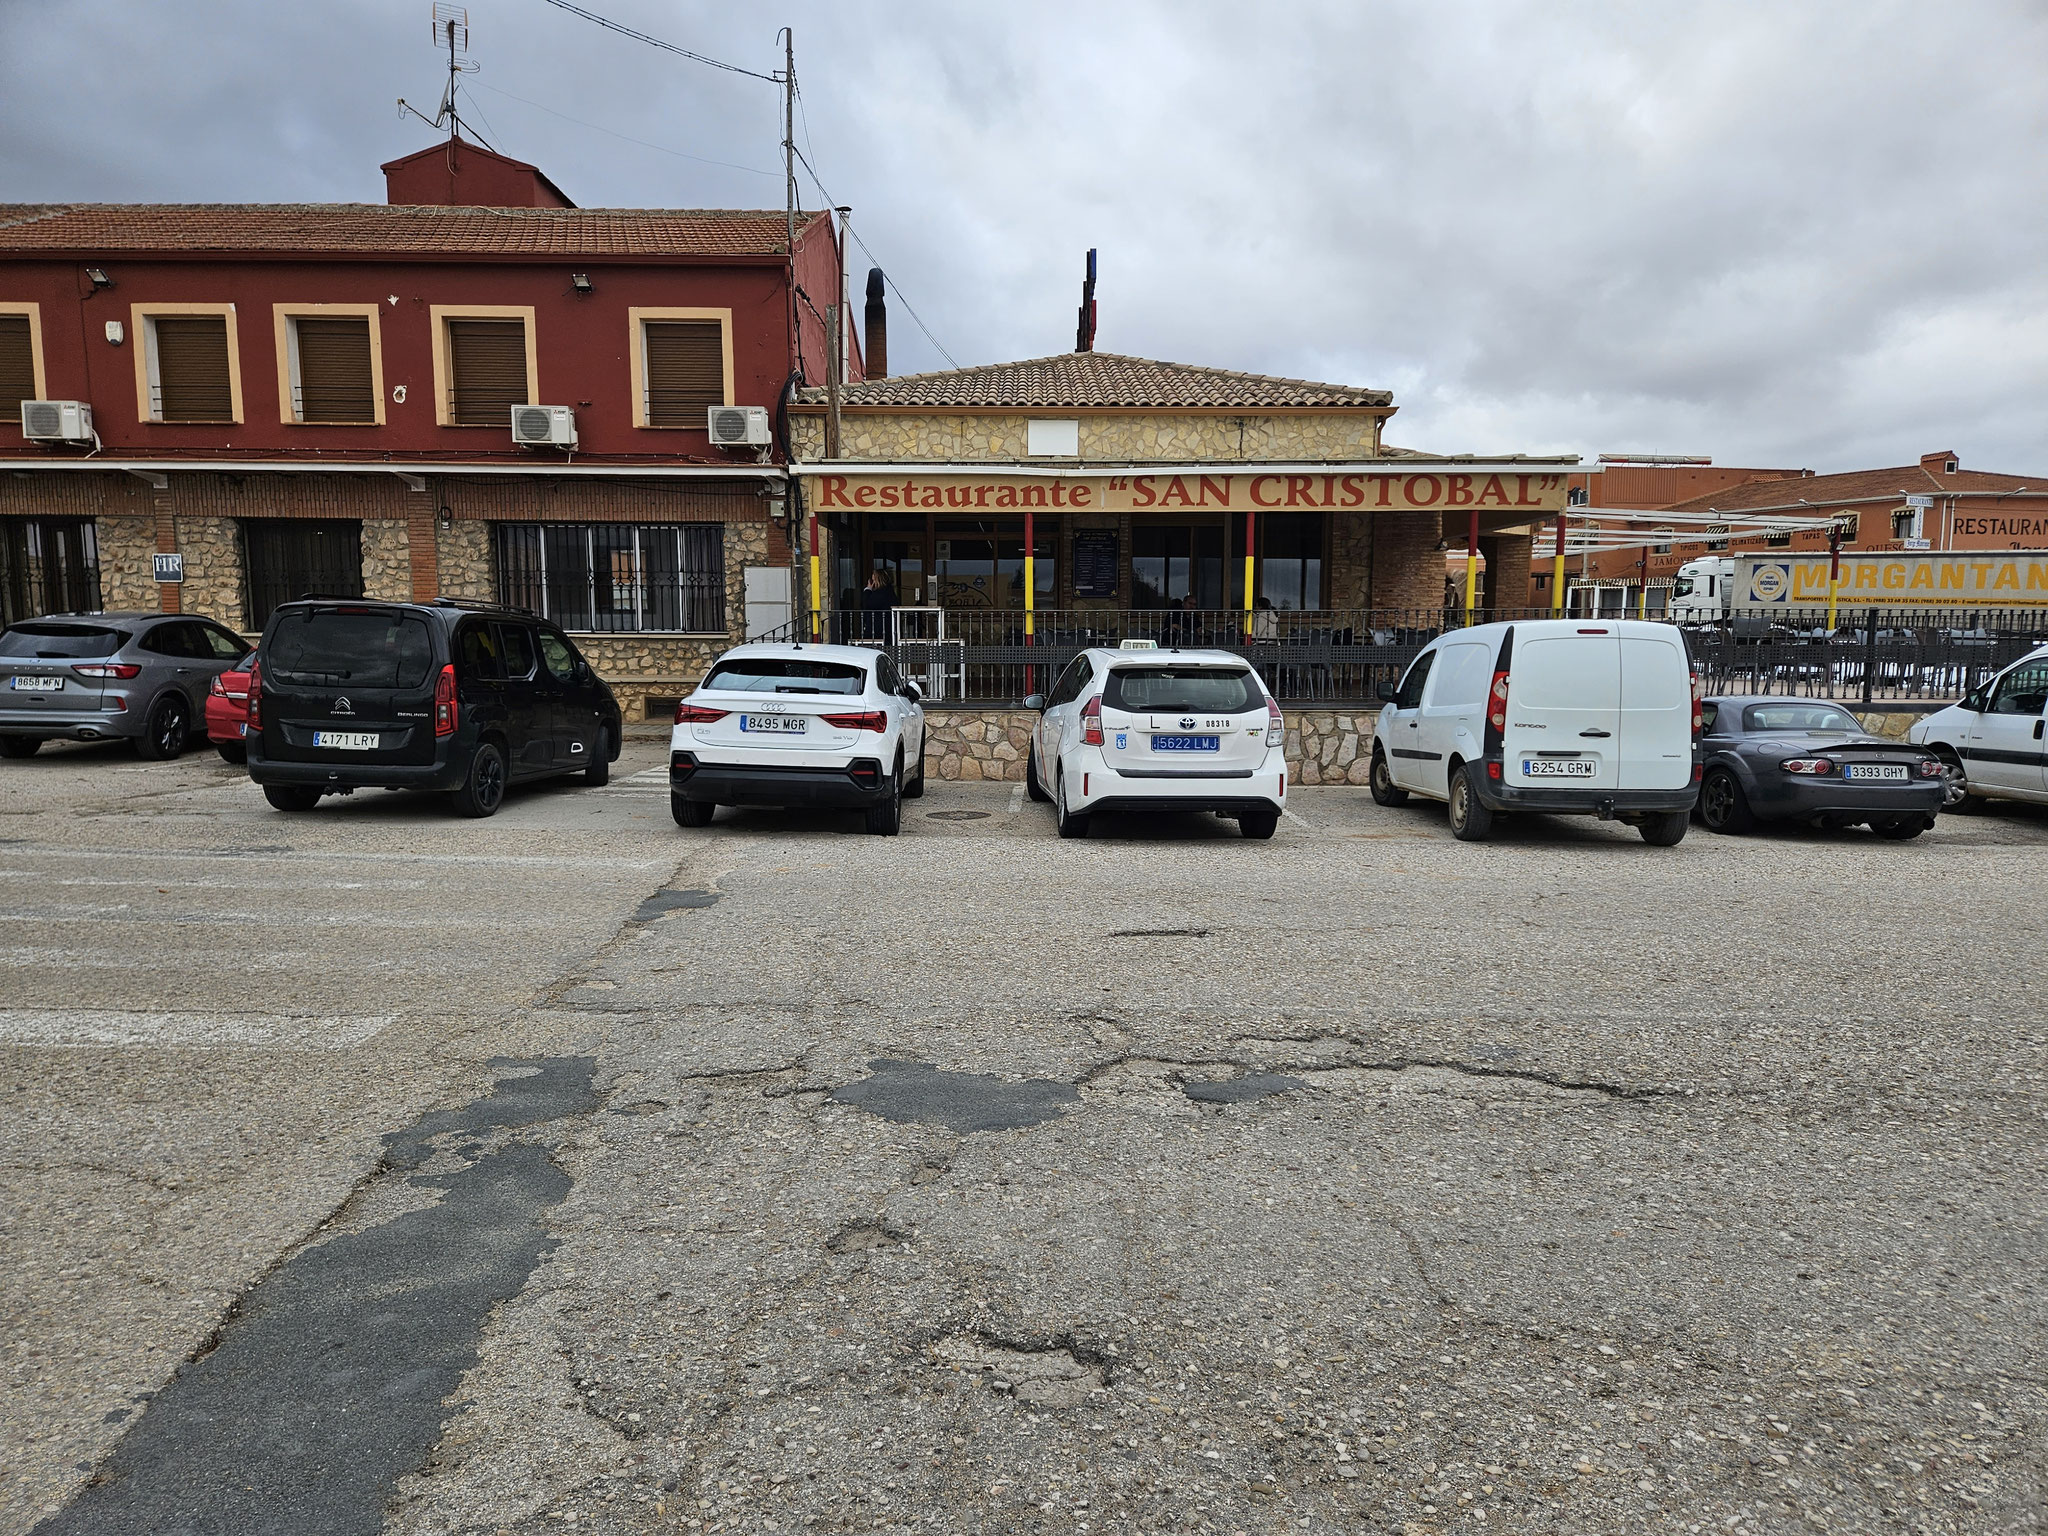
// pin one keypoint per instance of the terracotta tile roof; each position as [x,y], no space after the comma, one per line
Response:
[323,228]
[1853,485]
[1083,379]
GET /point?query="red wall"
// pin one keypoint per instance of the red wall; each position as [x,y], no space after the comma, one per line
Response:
[581,346]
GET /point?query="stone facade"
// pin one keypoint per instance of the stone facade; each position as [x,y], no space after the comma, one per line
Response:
[1324,746]
[214,584]
[387,559]
[1164,437]
[127,581]
[463,553]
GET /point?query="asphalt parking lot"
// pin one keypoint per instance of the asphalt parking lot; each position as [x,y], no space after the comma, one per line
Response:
[375,1170]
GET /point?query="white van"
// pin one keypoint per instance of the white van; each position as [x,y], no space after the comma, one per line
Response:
[1573,717]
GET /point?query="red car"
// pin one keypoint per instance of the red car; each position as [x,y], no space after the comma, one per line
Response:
[227,715]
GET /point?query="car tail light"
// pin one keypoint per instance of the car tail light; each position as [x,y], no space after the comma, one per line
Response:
[1493,768]
[1091,722]
[1497,703]
[1930,769]
[860,720]
[120,669]
[697,714]
[256,696]
[1808,765]
[1699,771]
[1698,712]
[1276,727]
[216,690]
[681,765]
[447,712]
[865,772]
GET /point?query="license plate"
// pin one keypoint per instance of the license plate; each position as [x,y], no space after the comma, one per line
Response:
[774,725]
[1560,768]
[1893,771]
[36,684]
[1186,743]
[347,741]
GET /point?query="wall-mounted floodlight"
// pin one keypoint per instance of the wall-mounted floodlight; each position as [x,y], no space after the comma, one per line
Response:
[97,276]
[580,281]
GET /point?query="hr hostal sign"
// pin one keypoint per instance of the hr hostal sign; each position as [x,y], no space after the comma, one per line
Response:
[168,567]
[1234,491]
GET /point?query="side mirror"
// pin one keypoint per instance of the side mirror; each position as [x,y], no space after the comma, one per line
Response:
[582,671]
[1973,701]
[1035,701]
[1389,692]
[913,693]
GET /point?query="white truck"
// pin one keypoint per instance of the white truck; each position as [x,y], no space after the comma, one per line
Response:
[1771,587]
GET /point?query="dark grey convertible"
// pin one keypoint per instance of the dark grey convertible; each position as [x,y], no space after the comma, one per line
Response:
[1778,759]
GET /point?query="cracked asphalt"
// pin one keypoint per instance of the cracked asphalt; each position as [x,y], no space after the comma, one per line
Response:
[975,1181]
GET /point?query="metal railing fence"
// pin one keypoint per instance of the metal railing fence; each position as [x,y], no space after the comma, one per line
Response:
[1341,657]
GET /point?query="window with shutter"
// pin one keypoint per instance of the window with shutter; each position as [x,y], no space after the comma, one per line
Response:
[193,380]
[685,370]
[334,374]
[17,366]
[486,371]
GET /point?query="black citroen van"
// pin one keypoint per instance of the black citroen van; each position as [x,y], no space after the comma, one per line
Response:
[463,698]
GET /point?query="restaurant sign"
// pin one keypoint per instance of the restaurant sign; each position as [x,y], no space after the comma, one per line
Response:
[1531,492]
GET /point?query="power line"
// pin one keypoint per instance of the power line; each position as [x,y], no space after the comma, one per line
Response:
[918,320]
[654,42]
[628,138]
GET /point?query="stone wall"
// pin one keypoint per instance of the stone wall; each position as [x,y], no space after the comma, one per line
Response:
[387,559]
[1323,746]
[463,555]
[640,667]
[127,578]
[1158,437]
[213,587]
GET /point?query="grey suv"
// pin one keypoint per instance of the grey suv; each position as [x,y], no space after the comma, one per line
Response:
[141,677]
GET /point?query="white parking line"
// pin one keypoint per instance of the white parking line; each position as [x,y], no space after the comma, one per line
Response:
[483,860]
[1298,820]
[103,1027]
[1016,800]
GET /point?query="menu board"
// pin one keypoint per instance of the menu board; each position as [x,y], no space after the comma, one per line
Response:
[1095,562]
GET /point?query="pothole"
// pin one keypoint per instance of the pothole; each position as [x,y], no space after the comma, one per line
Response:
[919,1093]
[957,816]
[665,901]
[1051,1377]
[1241,1090]
[866,1237]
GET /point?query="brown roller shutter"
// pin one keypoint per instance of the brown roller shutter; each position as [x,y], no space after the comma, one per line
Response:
[486,371]
[192,368]
[685,371]
[17,367]
[334,370]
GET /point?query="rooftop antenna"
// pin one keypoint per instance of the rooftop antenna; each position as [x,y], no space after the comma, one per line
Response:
[451,31]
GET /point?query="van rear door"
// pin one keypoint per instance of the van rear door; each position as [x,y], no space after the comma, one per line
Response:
[1564,709]
[1656,710]
[348,683]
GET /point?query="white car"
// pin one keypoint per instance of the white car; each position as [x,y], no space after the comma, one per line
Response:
[1991,744]
[1575,717]
[799,725]
[1153,730]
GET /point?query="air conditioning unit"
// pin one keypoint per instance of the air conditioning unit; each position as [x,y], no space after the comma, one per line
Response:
[739,426]
[56,421]
[544,426]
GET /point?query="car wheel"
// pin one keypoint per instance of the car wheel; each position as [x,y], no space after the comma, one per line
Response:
[1724,808]
[1384,790]
[232,751]
[1900,829]
[1070,824]
[1664,829]
[1471,821]
[20,746]
[914,790]
[291,797]
[1955,784]
[163,736]
[886,819]
[483,788]
[1033,785]
[598,771]
[691,813]
[1258,824]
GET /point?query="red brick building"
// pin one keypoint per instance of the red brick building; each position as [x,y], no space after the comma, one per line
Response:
[308,397]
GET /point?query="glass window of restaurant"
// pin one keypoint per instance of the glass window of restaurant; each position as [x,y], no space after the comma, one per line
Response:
[1172,560]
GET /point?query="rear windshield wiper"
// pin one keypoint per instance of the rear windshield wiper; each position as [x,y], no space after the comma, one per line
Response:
[309,677]
[780,688]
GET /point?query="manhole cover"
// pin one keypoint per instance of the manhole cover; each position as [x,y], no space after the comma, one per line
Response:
[957,816]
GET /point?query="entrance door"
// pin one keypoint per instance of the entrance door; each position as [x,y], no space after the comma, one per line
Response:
[292,557]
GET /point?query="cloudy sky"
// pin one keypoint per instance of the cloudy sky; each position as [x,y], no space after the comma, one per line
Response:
[1803,234]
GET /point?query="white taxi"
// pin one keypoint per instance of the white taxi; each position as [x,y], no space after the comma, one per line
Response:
[799,725]
[1158,730]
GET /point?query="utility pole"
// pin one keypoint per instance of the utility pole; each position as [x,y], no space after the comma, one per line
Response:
[789,179]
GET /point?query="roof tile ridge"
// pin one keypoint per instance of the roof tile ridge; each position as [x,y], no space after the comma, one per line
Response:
[16,214]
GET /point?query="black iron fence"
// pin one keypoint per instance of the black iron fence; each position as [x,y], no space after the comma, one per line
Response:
[1342,657]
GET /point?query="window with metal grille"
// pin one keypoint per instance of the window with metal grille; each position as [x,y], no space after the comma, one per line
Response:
[613,577]
[292,557]
[486,371]
[331,373]
[47,565]
[17,367]
[685,370]
[190,378]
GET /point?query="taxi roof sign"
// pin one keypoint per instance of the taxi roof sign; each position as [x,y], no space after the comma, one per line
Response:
[1138,645]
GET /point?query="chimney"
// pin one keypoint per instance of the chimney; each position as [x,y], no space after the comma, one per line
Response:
[876,352]
[1084,329]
